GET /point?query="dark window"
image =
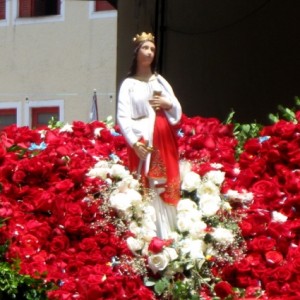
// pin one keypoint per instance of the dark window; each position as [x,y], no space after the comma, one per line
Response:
[38,8]
[41,116]
[101,5]
[8,116]
[2,9]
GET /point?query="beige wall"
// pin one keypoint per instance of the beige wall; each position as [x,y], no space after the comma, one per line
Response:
[62,58]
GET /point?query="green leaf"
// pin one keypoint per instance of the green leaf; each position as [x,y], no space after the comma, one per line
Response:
[149,282]
[161,286]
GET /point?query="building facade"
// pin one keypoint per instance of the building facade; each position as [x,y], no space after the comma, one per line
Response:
[55,55]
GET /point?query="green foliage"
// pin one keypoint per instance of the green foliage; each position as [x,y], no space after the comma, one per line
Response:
[285,113]
[17,286]
[54,123]
[243,132]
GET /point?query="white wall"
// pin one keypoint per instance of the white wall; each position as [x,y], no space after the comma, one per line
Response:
[60,58]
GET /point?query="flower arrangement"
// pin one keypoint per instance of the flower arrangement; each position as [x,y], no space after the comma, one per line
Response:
[207,238]
[81,226]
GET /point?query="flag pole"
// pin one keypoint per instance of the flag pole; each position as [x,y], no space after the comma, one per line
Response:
[94,111]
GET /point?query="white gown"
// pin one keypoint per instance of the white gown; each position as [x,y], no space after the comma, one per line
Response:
[136,118]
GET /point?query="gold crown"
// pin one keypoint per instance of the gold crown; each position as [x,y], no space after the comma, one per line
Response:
[143,37]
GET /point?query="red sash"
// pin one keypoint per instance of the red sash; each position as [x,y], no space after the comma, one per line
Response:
[164,159]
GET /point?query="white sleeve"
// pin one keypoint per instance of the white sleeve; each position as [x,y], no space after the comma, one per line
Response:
[175,112]
[124,112]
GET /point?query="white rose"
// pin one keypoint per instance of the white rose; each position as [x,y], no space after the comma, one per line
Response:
[136,197]
[118,171]
[170,253]
[134,228]
[122,186]
[217,177]
[158,262]
[120,201]
[216,165]
[133,183]
[102,164]
[66,128]
[98,173]
[184,224]
[208,187]
[190,181]
[210,251]
[134,244]
[184,167]
[148,234]
[194,248]
[186,205]
[175,236]
[149,211]
[278,217]
[97,131]
[242,197]
[148,224]
[108,181]
[223,235]
[198,229]
[209,204]
[227,206]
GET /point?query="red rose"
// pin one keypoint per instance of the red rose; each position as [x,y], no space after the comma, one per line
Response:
[64,185]
[246,228]
[259,270]
[109,251]
[6,210]
[73,224]
[19,176]
[223,289]
[256,222]
[244,280]
[156,245]
[266,189]
[262,244]
[88,244]
[282,273]
[73,209]
[295,263]
[43,200]
[252,145]
[59,243]
[273,257]
[254,259]
[29,244]
[102,238]
[273,288]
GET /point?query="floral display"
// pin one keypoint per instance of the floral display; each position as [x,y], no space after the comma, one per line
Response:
[74,219]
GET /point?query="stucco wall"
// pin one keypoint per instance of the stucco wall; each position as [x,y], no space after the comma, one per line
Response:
[60,60]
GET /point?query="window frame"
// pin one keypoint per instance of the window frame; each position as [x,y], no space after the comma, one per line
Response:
[37,19]
[43,103]
[36,111]
[93,14]
[5,21]
[14,105]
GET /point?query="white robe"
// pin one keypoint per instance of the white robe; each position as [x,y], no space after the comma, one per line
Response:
[136,118]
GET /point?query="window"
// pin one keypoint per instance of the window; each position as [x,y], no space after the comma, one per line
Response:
[40,116]
[2,9]
[38,8]
[102,9]
[39,113]
[8,116]
[101,5]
